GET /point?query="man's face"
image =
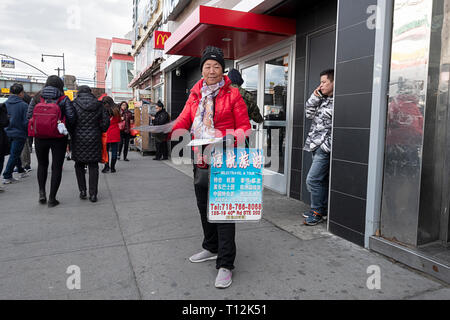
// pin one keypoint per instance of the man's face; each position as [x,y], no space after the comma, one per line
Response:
[326,86]
[212,72]
[123,106]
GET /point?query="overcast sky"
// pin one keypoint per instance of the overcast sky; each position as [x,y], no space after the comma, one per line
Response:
[32,27]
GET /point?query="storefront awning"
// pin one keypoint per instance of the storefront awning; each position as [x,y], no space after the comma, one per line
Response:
[236,33]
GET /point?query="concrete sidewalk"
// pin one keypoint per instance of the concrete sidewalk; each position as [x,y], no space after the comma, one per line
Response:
[134,244]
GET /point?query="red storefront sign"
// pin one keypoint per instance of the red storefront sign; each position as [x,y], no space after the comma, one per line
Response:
[160,38]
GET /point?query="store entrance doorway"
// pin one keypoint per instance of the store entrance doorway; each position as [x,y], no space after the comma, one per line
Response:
[320,56]
[268,78]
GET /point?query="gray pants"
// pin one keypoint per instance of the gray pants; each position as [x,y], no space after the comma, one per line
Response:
[25,156]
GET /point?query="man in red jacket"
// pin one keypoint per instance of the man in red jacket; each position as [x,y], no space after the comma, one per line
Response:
[213,108]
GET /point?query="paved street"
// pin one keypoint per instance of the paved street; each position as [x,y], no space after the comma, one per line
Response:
[134,244]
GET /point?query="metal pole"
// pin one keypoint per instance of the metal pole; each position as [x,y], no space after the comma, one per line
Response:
[64,66]
[378,118]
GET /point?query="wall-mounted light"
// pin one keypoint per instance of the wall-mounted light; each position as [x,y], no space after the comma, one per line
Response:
[226,39]
[178,72]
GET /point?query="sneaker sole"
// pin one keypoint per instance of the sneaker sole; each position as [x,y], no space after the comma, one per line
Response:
[224,286]
[203,260]
[324,218]
[312,223]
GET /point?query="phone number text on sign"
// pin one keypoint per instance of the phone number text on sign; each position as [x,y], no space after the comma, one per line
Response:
[236,186]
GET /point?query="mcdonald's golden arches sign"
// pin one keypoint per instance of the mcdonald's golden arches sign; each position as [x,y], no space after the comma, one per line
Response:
[160,39]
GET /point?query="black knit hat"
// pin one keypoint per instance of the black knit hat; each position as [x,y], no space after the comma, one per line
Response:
[235,77]
[160,104]
[212,53]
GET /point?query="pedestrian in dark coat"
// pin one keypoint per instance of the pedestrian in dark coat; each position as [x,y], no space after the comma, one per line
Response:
[17,131]
[161,117]
[53,90]
[4,143]
[92,121]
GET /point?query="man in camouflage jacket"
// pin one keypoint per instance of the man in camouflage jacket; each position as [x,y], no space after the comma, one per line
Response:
[252,107]
[319,109]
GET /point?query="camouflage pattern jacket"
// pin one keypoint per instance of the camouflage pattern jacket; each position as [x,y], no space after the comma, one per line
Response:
[252,107]
[320,111]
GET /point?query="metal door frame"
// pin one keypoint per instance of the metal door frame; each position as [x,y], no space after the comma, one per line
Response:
[282,182]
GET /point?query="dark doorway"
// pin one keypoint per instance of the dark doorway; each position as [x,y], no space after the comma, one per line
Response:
[320,56]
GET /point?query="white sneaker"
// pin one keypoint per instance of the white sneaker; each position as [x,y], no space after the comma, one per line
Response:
[9,181]
[223,279]
[202,256]
[23,175]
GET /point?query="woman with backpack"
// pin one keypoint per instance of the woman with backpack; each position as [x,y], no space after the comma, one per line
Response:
[113,133]
[48,137]
[92,120]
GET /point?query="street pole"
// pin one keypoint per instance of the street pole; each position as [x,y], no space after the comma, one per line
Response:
[56,56]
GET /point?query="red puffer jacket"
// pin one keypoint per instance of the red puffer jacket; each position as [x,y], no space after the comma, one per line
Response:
[230,110]
[113,133]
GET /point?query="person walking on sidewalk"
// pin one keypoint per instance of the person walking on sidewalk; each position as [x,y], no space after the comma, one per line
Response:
[17,131]
[92,121]
[113,133]
[4,142]
[161,117]
[25,156]
[53,92]
[126,118]
[319,108]
[212,108]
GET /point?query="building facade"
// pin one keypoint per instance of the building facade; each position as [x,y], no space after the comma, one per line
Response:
[101,53]
[148,83]
[389,175]
[119,70]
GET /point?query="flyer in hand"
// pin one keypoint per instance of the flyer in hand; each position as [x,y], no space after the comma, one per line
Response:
[236,185]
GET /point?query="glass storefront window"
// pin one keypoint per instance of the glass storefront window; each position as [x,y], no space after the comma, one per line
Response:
[275,91]
[122,75]
[275,103]
[158,93]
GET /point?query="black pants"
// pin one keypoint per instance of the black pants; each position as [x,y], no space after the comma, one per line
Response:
[162,150]
[2,160]
[112,147]
[58,148]
[218,237]
[124,143]
[93,177]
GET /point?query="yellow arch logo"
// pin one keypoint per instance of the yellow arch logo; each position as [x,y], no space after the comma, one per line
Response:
[160,39]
